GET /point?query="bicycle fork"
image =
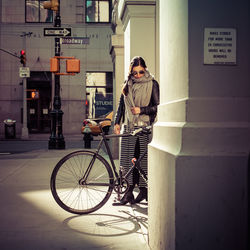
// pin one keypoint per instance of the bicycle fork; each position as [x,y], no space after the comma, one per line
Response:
[137,166]
[82,181]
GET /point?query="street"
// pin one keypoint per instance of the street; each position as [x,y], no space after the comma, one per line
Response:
[31,219]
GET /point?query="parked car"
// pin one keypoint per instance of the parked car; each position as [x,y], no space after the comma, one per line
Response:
[105,121]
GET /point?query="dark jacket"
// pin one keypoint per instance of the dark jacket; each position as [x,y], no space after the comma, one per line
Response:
[150,110]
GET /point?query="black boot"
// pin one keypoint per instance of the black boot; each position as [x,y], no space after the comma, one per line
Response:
[128,197]
[142,195]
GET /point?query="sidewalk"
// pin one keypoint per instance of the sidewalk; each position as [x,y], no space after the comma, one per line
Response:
[31,219]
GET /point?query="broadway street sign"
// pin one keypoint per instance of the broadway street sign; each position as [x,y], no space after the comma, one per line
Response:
[74,40]
[57,32]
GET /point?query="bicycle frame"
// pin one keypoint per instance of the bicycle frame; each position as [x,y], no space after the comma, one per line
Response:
[136,165]
[104,141]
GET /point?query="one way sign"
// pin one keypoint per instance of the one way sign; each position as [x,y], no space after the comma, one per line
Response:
[57,32]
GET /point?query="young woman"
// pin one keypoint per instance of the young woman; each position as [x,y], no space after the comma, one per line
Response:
[137,108]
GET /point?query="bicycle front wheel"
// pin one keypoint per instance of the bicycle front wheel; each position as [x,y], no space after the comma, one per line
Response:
[75,194]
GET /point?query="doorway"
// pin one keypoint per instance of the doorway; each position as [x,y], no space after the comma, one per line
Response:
[39,101]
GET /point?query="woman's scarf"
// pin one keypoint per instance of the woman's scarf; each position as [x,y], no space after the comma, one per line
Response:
[139,95]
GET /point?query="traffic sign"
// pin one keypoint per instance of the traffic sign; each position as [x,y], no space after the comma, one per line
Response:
[24,72]
[75,40]
[57,31]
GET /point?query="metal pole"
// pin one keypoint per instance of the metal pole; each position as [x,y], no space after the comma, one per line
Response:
[56,140]
[25,132]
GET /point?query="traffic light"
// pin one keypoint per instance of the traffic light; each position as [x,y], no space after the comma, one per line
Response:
[54,65]
[34,94]
[51,5]
[23,57]
[73,66]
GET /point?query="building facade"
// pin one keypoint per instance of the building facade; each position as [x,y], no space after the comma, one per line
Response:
[23,27]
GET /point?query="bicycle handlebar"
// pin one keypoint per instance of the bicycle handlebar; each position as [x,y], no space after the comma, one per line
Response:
[145,130]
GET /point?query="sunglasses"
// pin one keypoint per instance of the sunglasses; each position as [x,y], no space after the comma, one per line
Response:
[141,72]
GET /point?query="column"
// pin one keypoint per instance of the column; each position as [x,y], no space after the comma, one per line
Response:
[117,53]
[198,159]
[138,19]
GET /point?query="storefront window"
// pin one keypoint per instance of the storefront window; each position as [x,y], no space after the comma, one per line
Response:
[99,90]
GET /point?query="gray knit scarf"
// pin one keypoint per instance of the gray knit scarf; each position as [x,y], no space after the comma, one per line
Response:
[139,95]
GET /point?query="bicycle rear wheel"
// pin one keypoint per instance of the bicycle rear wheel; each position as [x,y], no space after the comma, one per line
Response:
[74,195]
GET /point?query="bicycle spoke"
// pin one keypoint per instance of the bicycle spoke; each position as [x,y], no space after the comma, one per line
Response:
[75,194]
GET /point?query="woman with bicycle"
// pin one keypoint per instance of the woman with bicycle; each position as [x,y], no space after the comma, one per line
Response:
[137,108]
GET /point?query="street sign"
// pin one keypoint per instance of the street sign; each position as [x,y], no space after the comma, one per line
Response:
[75,40]
[24,72]
[57,31]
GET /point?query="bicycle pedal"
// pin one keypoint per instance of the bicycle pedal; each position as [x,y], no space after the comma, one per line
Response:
[117,204]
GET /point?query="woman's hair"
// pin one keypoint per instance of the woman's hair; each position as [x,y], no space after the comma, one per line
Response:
[136,61]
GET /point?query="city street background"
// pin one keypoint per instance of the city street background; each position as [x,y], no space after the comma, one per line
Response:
[31,219]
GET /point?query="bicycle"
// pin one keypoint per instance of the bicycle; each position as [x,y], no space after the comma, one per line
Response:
[83,181]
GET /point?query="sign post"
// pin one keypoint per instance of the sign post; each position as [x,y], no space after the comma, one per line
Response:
[24,73]
[56,140]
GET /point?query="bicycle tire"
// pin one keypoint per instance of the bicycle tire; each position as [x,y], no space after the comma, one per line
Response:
[75,197]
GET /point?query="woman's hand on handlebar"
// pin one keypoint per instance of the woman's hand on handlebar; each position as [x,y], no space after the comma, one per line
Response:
[136,110]
[117,129]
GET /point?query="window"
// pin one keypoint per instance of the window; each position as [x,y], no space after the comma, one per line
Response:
[99,90]
[35,13]
[97,11]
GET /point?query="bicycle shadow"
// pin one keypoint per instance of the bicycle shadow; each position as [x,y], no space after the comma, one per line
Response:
[106,225]
[141,208]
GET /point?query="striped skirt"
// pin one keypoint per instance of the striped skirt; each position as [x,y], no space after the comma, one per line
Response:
[134,146]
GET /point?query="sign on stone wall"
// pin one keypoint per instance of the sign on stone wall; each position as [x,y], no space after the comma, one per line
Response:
[220,46]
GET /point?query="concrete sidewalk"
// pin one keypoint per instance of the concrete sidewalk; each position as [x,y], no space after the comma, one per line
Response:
[31,219]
